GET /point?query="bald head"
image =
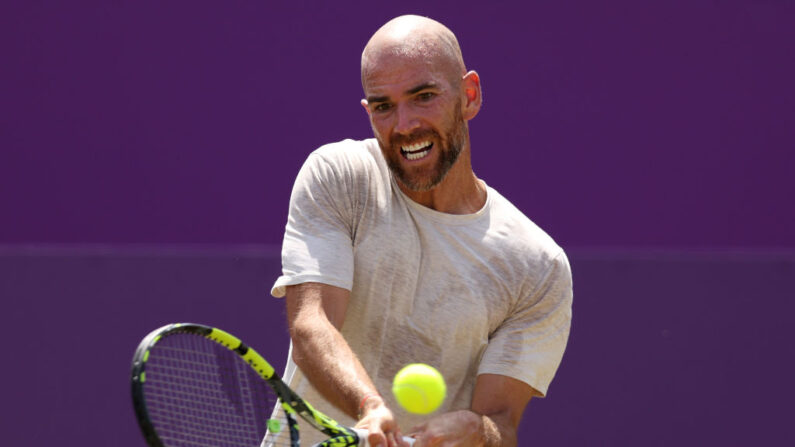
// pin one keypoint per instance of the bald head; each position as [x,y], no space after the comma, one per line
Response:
[414,40]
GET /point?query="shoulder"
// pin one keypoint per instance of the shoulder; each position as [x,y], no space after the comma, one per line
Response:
[346,163]
[345,175]
[519,231]
[530,251]
[347,154]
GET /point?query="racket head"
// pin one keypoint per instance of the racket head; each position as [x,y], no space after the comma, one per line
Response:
[195,385]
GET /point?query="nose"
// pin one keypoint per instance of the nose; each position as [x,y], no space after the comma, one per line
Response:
[405,120]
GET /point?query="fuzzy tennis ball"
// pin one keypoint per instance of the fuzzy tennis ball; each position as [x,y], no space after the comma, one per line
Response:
[419,388]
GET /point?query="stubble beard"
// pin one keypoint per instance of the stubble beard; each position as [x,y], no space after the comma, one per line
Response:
[449,148]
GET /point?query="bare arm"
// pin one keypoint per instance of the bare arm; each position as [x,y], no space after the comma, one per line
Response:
[501,401]
[492,421]
[315,314]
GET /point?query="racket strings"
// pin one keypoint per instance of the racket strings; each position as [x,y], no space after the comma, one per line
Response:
[199,393]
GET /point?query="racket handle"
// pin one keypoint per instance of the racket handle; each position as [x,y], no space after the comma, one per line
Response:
[363,438]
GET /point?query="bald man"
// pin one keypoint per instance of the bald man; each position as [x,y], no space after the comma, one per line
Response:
[396,253]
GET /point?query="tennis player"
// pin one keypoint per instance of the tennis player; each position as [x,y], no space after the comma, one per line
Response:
[396,253]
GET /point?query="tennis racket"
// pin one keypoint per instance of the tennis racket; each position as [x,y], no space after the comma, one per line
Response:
[195,385]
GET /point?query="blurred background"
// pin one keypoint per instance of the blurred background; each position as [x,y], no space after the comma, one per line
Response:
[148,149]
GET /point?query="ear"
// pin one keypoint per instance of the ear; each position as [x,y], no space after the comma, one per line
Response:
[364,104]
[473,96]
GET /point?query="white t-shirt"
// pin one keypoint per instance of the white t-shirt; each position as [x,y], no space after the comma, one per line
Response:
[487,292]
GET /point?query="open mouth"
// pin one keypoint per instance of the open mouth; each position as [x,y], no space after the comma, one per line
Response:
[417,150]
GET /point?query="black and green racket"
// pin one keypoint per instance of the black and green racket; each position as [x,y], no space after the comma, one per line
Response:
[195,385]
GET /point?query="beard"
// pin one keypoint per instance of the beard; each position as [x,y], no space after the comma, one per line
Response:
[422,179]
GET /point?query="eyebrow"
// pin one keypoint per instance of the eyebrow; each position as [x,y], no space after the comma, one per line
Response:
[421,87]
[411,91]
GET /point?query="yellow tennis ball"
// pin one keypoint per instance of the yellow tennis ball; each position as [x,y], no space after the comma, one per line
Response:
[419,388]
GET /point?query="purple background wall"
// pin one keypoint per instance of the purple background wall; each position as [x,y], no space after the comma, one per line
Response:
[147,150]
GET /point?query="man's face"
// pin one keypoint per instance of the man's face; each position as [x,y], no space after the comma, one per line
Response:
[415,113]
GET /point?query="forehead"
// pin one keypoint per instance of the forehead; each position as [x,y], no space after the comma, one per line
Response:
[390,72]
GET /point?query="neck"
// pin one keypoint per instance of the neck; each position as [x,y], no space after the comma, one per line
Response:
[459,192]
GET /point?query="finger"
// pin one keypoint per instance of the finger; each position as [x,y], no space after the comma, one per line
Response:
[417,437]
[403,441]
[390,439]
[377,439]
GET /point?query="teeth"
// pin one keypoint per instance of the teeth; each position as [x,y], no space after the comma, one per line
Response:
[415,152]
[415,146]
[416,155]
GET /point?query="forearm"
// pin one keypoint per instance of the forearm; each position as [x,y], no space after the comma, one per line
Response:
[466,428]
[499,402]
[315,314]
[330,365]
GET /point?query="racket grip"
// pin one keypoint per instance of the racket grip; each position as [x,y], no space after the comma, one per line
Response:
[362,433]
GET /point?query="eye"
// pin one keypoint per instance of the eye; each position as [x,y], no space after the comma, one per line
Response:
[382,107]
[426,96]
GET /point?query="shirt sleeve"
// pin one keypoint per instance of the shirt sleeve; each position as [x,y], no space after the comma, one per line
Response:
[317,243]
[529,344]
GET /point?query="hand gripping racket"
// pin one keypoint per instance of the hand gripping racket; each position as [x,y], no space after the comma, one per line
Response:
[194,385]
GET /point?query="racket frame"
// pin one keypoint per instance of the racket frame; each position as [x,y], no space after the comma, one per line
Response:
[291,402]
